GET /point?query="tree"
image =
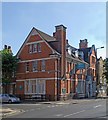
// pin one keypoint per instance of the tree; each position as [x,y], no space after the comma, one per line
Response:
[106,72]
[106,69]
[9,65]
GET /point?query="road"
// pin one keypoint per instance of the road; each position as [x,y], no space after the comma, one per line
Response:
[94,108]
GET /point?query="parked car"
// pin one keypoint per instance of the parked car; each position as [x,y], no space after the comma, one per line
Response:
[9,98]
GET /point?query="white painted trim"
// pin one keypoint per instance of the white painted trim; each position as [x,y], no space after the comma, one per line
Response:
[92,68]
[35,42]
[13,83]
[49,71]
[34,93]
[93,55]
[68,79]
[78,80]
[39,79]
[36,59]
[20,80]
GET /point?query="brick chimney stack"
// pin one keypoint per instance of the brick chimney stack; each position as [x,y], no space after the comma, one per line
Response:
[83,44]
[60,36]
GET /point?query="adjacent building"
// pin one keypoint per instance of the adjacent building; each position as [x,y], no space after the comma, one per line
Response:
[88,54]
[101,80]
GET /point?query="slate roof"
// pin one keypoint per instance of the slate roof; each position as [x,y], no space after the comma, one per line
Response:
[77,59]
[86,51]
[45,36]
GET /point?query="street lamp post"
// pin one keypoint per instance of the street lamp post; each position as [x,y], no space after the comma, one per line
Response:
[97,49]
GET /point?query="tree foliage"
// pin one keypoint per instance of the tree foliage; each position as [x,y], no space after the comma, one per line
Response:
[9,64]
[106,69]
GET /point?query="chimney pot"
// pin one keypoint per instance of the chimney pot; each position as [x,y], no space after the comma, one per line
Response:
[9,47]
[53,34]
[5,46]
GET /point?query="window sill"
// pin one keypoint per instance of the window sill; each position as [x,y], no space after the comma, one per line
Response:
[35,71]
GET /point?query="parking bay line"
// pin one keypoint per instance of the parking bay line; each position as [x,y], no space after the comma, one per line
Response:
[97,106]
[74,113]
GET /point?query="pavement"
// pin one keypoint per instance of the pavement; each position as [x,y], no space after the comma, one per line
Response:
[8,111]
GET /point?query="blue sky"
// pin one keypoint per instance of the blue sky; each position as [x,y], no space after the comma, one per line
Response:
[82,19]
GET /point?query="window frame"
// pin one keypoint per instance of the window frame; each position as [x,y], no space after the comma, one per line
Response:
[35,48]
[39,86]
[43,65]
[38,47]
[30,48]
[35,66]
[27,66]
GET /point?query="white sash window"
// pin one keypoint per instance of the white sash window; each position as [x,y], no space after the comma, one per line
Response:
[34,86]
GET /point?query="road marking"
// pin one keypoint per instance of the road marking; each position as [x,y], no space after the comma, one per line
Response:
[23,104]
[58,115]
[97,100]
[49,106]
[56,105]
[52,106]
[74,113]
[97,106]
[31,109]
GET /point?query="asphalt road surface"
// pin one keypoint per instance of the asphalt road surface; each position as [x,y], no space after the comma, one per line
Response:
[95,108]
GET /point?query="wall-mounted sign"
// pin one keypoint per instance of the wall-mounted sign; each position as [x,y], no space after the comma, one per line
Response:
[64,90]
[80,66]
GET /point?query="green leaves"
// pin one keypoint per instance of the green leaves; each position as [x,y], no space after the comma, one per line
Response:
[9,65]
[106,69]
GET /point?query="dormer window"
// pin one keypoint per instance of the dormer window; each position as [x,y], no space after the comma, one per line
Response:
[69,51]
[81,54]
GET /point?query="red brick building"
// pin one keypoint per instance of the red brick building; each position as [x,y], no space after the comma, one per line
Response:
[47,66]
[89,55]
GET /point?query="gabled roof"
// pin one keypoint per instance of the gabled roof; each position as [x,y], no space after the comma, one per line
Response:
[87,52]
[70,46]
[77,59]
[47,38]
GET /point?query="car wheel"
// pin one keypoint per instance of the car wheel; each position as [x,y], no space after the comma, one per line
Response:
[10,101]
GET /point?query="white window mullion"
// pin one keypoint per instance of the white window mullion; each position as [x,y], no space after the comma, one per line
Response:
[30,86]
